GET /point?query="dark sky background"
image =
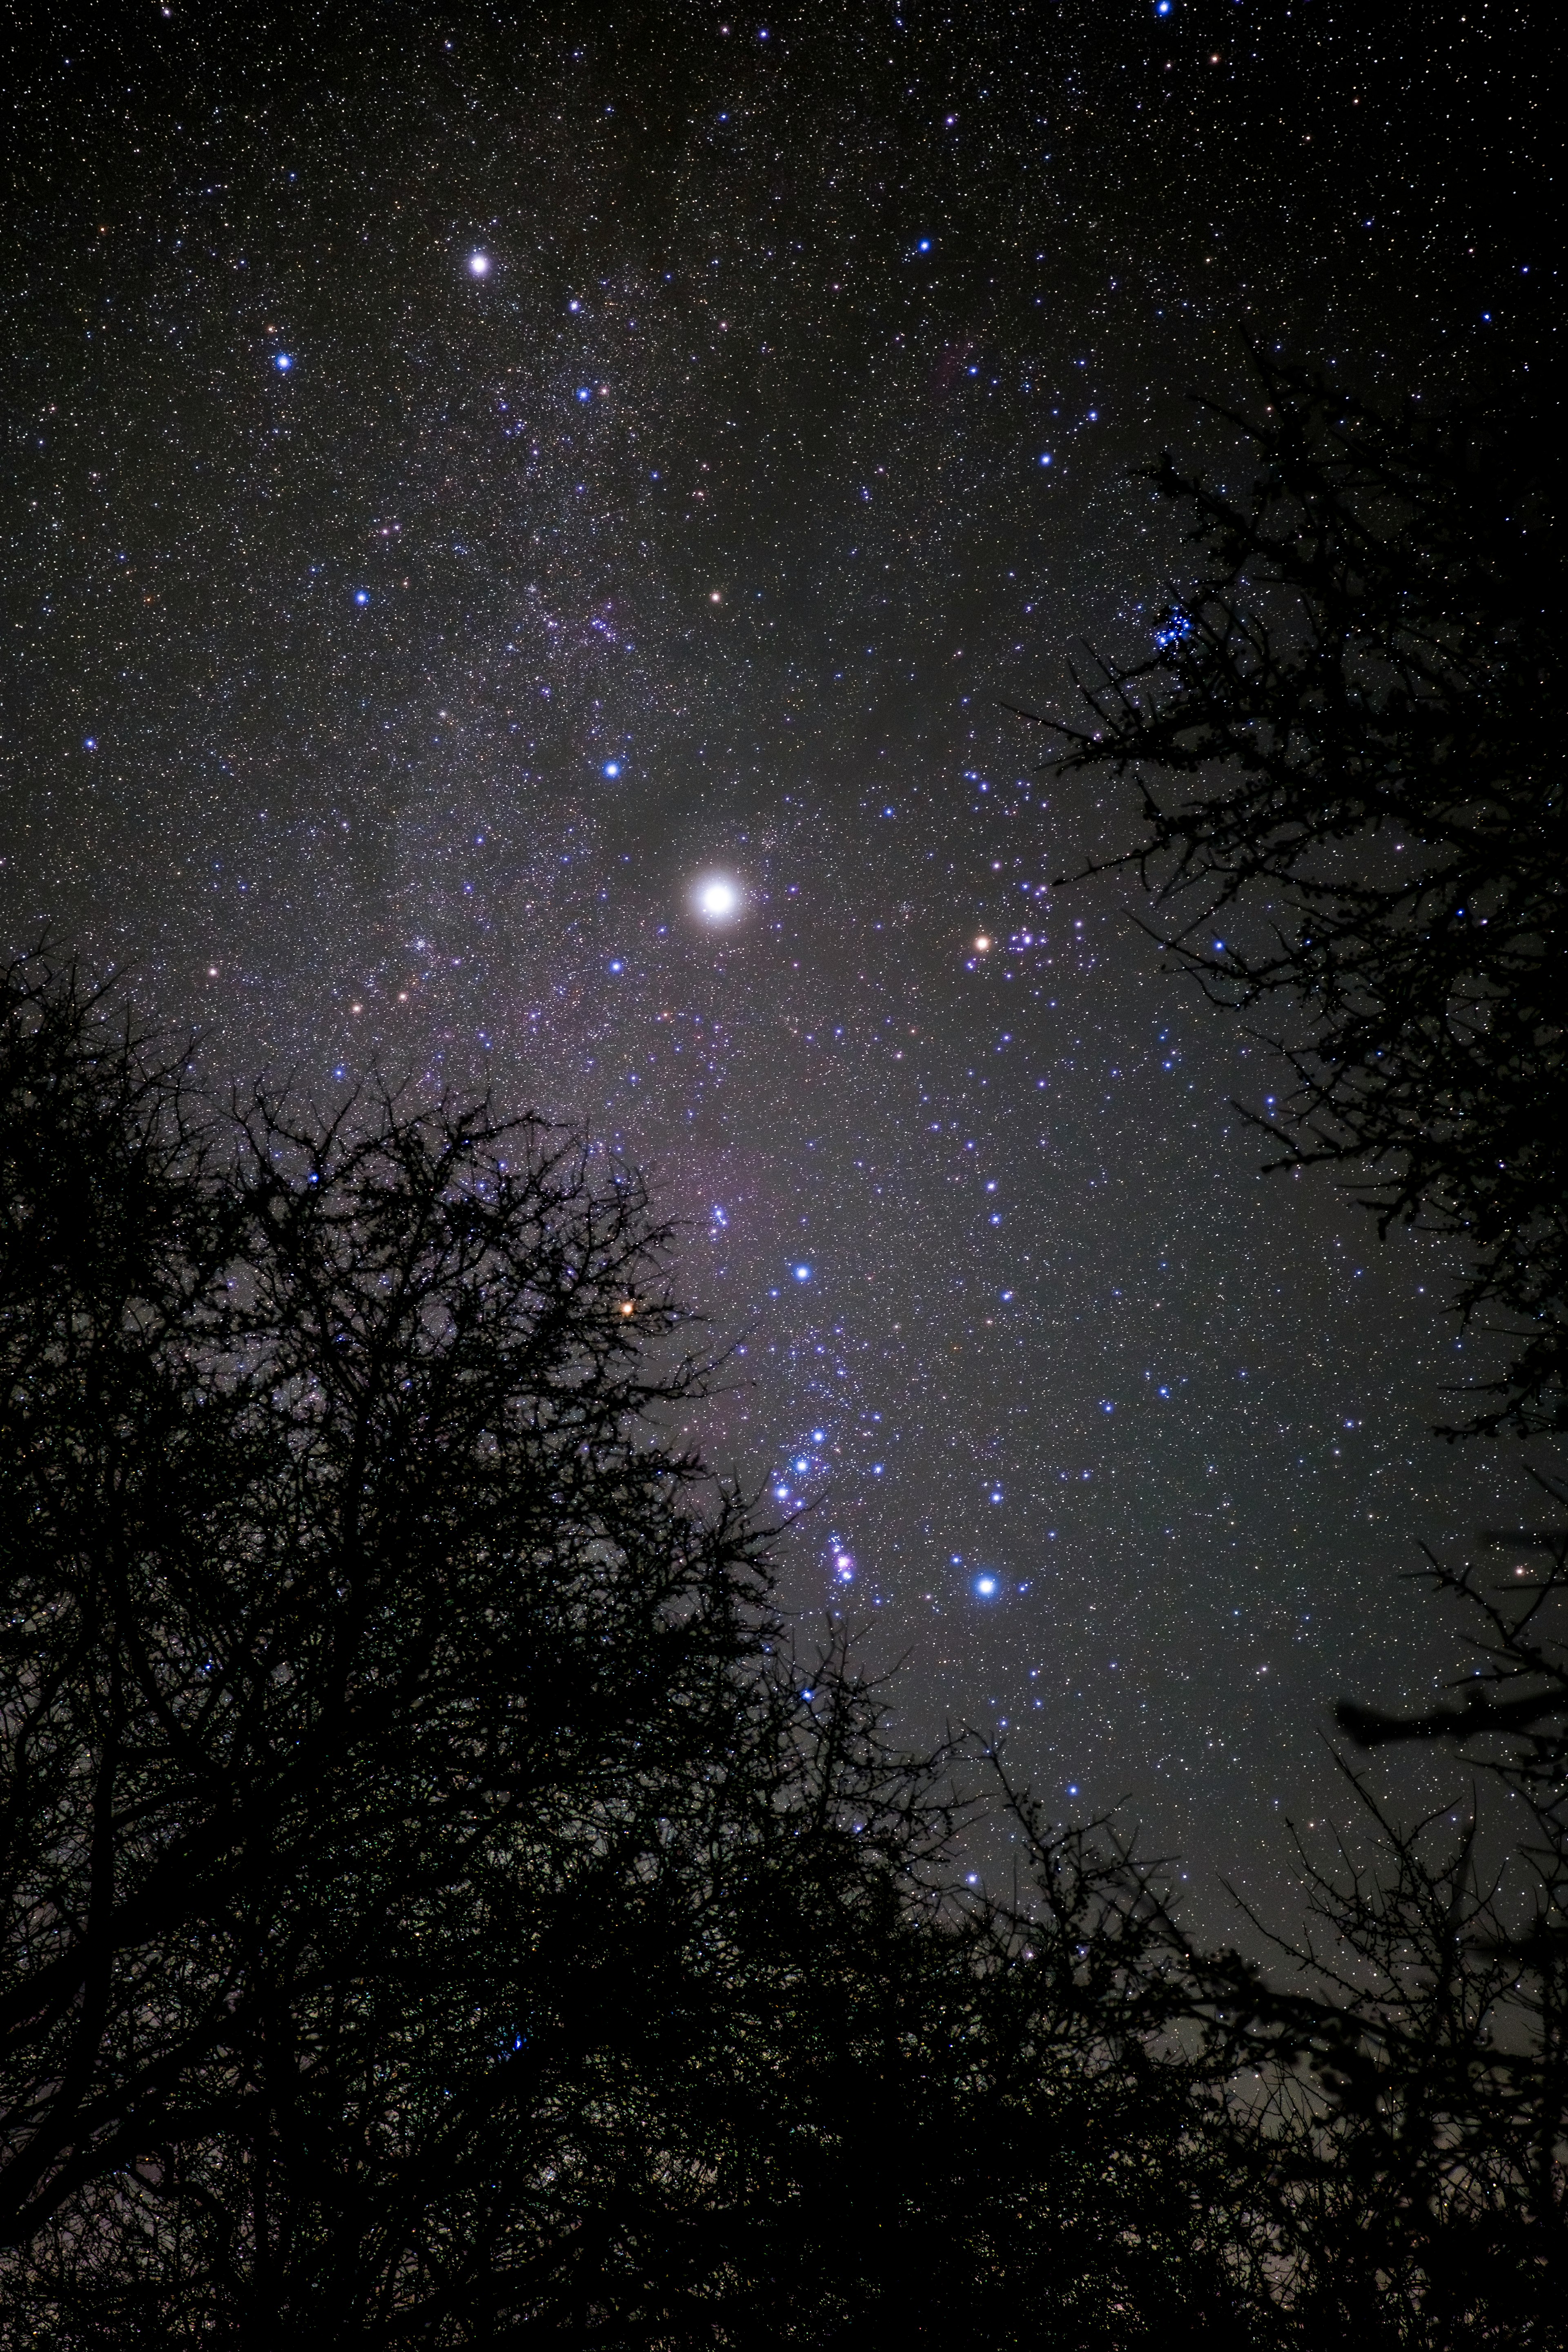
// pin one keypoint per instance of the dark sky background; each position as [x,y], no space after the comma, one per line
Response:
[474,475]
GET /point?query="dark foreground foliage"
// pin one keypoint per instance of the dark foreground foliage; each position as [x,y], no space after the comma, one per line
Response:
[1343,746]
[434,1908]
[1345,742]
[437,1909]
[1462,2050]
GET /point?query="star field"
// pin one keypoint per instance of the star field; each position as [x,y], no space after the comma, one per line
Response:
[524,532]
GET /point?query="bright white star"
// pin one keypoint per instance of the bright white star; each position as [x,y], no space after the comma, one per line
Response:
[718,899]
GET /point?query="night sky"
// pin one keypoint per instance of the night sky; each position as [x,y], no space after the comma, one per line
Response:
[478,481]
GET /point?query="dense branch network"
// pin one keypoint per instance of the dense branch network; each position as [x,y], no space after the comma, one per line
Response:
[435,1904]
[1345,747]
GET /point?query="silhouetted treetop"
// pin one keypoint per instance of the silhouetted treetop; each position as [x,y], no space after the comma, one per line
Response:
[1346,742]
[436,1905]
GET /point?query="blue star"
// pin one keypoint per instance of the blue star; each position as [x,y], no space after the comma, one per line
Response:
[283,361]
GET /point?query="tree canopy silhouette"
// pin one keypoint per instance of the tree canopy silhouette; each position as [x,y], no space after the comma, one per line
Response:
[435,1907]
[1344,742]
[1348,801]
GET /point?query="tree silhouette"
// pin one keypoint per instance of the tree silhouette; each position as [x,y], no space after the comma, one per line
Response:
[1413,2116]
[1342,748]
[433,1905]
[1344,741]
[1499,1952]
[358,1645]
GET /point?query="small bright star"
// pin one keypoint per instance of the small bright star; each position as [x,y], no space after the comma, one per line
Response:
[985,1586]
[283,361]
[718,899]
[478,265]
[361,595]
[803,1273]
[612,767]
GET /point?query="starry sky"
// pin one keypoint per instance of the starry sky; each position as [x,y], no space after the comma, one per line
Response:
[522,530]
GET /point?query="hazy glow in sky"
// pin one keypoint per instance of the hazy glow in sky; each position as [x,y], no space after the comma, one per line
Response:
[719,898]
